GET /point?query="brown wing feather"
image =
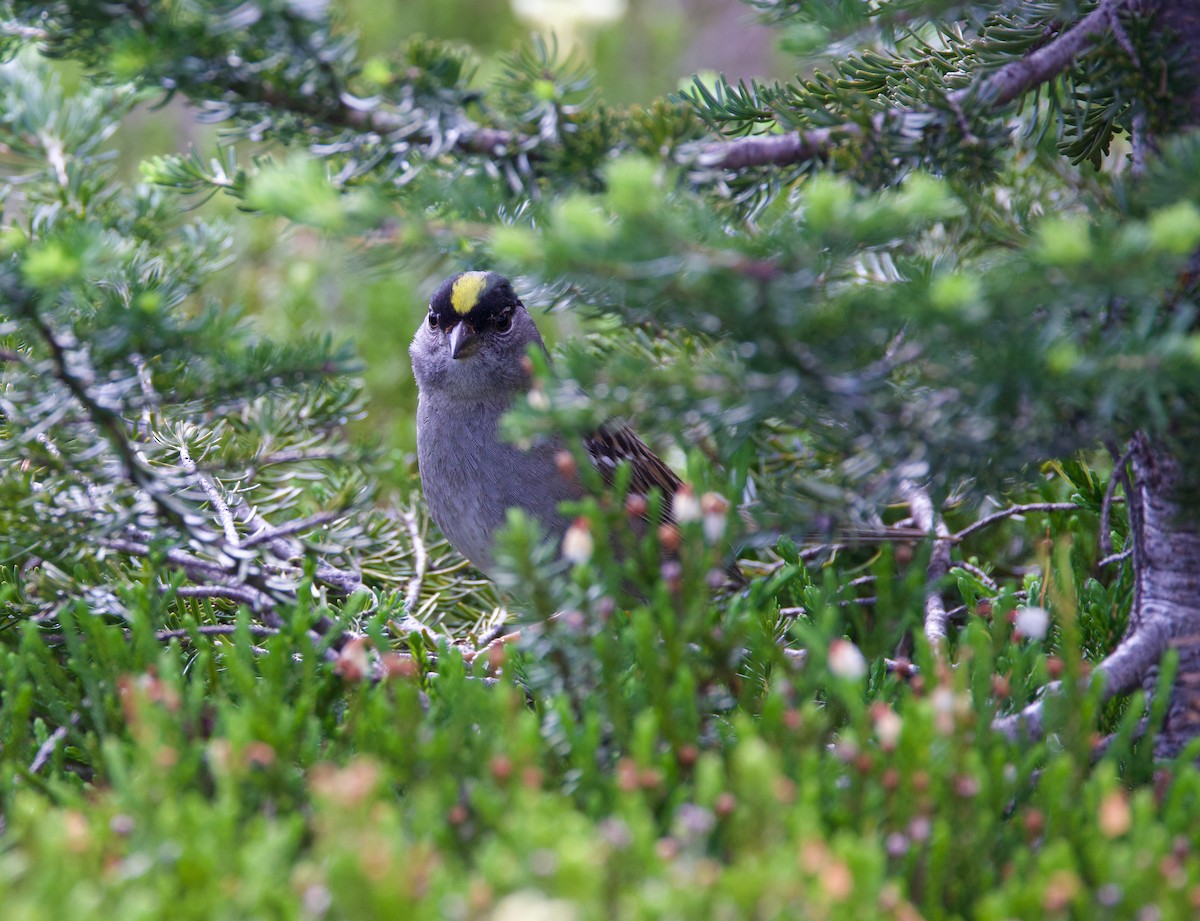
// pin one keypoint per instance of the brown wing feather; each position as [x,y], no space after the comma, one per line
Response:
[613,443]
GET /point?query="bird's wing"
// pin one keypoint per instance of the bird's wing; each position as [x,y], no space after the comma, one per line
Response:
[613,443]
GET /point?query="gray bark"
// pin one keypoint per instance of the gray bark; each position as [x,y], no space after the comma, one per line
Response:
[1166,608]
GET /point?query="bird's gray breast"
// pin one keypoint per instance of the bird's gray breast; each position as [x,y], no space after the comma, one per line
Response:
[471,478]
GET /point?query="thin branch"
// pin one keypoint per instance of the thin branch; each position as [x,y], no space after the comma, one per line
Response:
[246,596]
[412,593]
[209,485]
[1043,65]
[1115,558]
[296,455]
[149,395]
[1137,523]
[1121,671]
[398,126]
[216,630]
[927,519]
[995,91]
[1119,462]
[470,655]
[198,570]
[991,519]
[46,749]
[811,553]
[773,149]
[105,419]
[345,583]
[292,527]
[977,573]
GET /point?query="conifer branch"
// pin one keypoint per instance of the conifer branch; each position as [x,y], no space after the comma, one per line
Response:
[995,91]
[209,486]
[774,149]
[1043,65]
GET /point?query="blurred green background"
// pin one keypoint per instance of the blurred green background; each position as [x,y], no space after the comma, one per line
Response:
[290,280]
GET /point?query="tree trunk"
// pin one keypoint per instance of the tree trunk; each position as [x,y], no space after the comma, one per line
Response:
[1166,602]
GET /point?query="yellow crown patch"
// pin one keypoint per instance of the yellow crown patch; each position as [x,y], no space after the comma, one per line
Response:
[464,295]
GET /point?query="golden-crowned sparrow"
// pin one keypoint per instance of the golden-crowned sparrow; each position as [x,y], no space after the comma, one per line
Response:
[468,357]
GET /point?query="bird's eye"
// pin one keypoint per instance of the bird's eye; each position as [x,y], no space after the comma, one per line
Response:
[504,323]
[433,321]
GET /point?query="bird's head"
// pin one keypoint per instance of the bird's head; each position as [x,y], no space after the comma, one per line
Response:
[474,337]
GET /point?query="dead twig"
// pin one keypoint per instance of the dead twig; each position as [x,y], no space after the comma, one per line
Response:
[1119,463]
[928,520]
[1115,558]
[412,594]
[977,573]
[211,492]
[46,750]
[991,519]
[275,532]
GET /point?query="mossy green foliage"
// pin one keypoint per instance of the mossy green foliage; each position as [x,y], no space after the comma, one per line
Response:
[647,748]
[239,777]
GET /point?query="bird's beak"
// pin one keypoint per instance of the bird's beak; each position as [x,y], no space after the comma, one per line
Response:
[464,341]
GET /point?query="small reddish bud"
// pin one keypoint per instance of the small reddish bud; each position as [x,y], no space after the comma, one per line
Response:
[668,537]
[565,462]
[724,805]
[397,665]
[1035,823]
[627,775]
[497,655]
[687,755]
[636,506]
[1054,667]
[501,768]
[353,661]
[667,848]
[259,754]
[1162,784]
